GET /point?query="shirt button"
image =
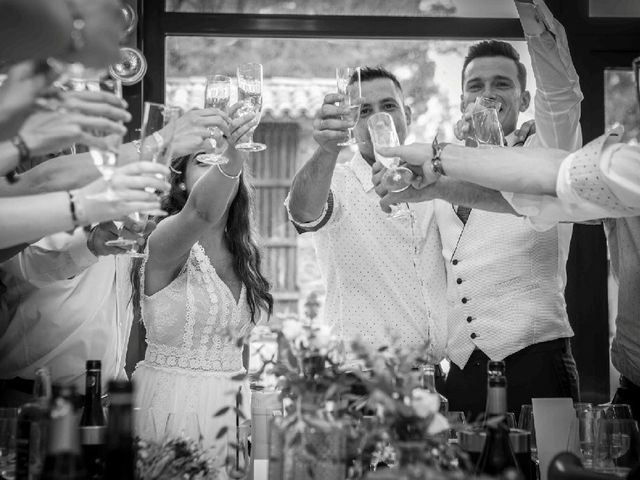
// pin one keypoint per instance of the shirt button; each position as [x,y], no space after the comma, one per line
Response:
[455,262]
[469,319]
[464,299]
[459,281]
[473,335]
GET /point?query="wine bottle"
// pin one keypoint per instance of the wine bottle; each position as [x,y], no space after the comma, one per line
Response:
[497,454]
[64,460]
[429,383]
[120,461]
[33,423]
[93,424]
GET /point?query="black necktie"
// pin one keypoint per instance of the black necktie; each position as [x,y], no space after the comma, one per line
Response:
[463,213]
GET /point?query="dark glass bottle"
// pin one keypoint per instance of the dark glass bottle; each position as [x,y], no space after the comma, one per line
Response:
[93,425]
[33,423]
[64,460]
[497,454]
[120,448]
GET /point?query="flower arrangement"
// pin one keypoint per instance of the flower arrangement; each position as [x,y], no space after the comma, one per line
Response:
[175,458]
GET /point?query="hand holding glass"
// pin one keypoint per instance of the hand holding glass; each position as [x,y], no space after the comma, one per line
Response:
[250,95]
[217,95]
[351,93]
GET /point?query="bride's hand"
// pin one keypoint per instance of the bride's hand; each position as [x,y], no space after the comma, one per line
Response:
[240,127]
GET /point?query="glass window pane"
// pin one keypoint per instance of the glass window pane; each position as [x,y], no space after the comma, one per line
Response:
[614,8]
[620,103]
[298,73]
[395,8]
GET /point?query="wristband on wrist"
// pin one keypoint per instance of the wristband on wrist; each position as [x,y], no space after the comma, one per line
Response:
[436,161]
[230,177]
[24,153]
[78,214]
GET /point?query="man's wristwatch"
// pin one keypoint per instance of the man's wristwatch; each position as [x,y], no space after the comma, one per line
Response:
[436,161]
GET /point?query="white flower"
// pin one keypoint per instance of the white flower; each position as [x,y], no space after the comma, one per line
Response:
[424,402]
[438,424]
[322,337]
[292,329]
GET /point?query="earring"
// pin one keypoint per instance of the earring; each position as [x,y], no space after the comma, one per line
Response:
[182,186]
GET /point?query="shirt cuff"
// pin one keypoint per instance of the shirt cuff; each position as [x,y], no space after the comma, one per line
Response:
[314,225]
[79,251]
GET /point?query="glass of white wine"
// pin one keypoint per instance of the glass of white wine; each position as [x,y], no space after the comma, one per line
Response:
[217,95]
[250,96]
[154,147]
[383,133]
[348,82]
[105,159]
[486,123]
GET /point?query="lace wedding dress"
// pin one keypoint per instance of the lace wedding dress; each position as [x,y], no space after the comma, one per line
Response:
[185,377]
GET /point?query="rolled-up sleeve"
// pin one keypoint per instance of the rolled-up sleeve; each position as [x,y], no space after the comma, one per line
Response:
[56,257]
[558,94]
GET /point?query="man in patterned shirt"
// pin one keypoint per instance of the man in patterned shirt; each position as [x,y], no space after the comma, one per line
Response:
[383,275]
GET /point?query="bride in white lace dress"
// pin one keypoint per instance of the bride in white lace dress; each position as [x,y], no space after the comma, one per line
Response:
[202,277]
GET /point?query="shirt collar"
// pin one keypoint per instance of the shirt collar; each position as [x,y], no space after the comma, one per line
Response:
[362,171]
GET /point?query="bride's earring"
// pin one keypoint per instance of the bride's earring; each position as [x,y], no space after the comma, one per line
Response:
[182,186]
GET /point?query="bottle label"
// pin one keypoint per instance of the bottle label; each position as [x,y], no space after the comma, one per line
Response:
[93,435]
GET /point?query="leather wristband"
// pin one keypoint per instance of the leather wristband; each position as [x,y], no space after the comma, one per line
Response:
[436,161]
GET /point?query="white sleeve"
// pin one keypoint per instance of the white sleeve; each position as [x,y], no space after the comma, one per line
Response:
[57,257]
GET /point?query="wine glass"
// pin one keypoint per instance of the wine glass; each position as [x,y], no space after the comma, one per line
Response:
[525,422]
[620,411]
[105,159]
[396,179]
[8,428]
[616,446]
[348,82]
[216,95]
[250,95]
[486,124]
[154,147]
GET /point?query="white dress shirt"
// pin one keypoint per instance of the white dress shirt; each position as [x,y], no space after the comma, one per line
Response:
[506,280]
[600,180]
[65,306]
[383,275]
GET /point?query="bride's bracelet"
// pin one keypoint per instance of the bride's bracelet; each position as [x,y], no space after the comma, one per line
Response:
[230,177]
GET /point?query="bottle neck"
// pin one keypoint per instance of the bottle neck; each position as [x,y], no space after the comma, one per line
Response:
[429,378]
[496,396]
[93,385]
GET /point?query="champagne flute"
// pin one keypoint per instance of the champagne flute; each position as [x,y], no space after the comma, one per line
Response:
[250,95]
[348,80]
[154,147]
[397,179]
[216,95]
[105,159]
[486,123]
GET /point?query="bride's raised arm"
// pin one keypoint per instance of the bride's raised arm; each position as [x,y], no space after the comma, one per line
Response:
[198,201]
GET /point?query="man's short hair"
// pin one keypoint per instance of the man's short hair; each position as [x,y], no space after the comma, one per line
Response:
[372,73]
[496,48]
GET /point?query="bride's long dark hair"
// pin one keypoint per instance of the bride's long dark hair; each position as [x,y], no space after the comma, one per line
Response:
[238,235]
